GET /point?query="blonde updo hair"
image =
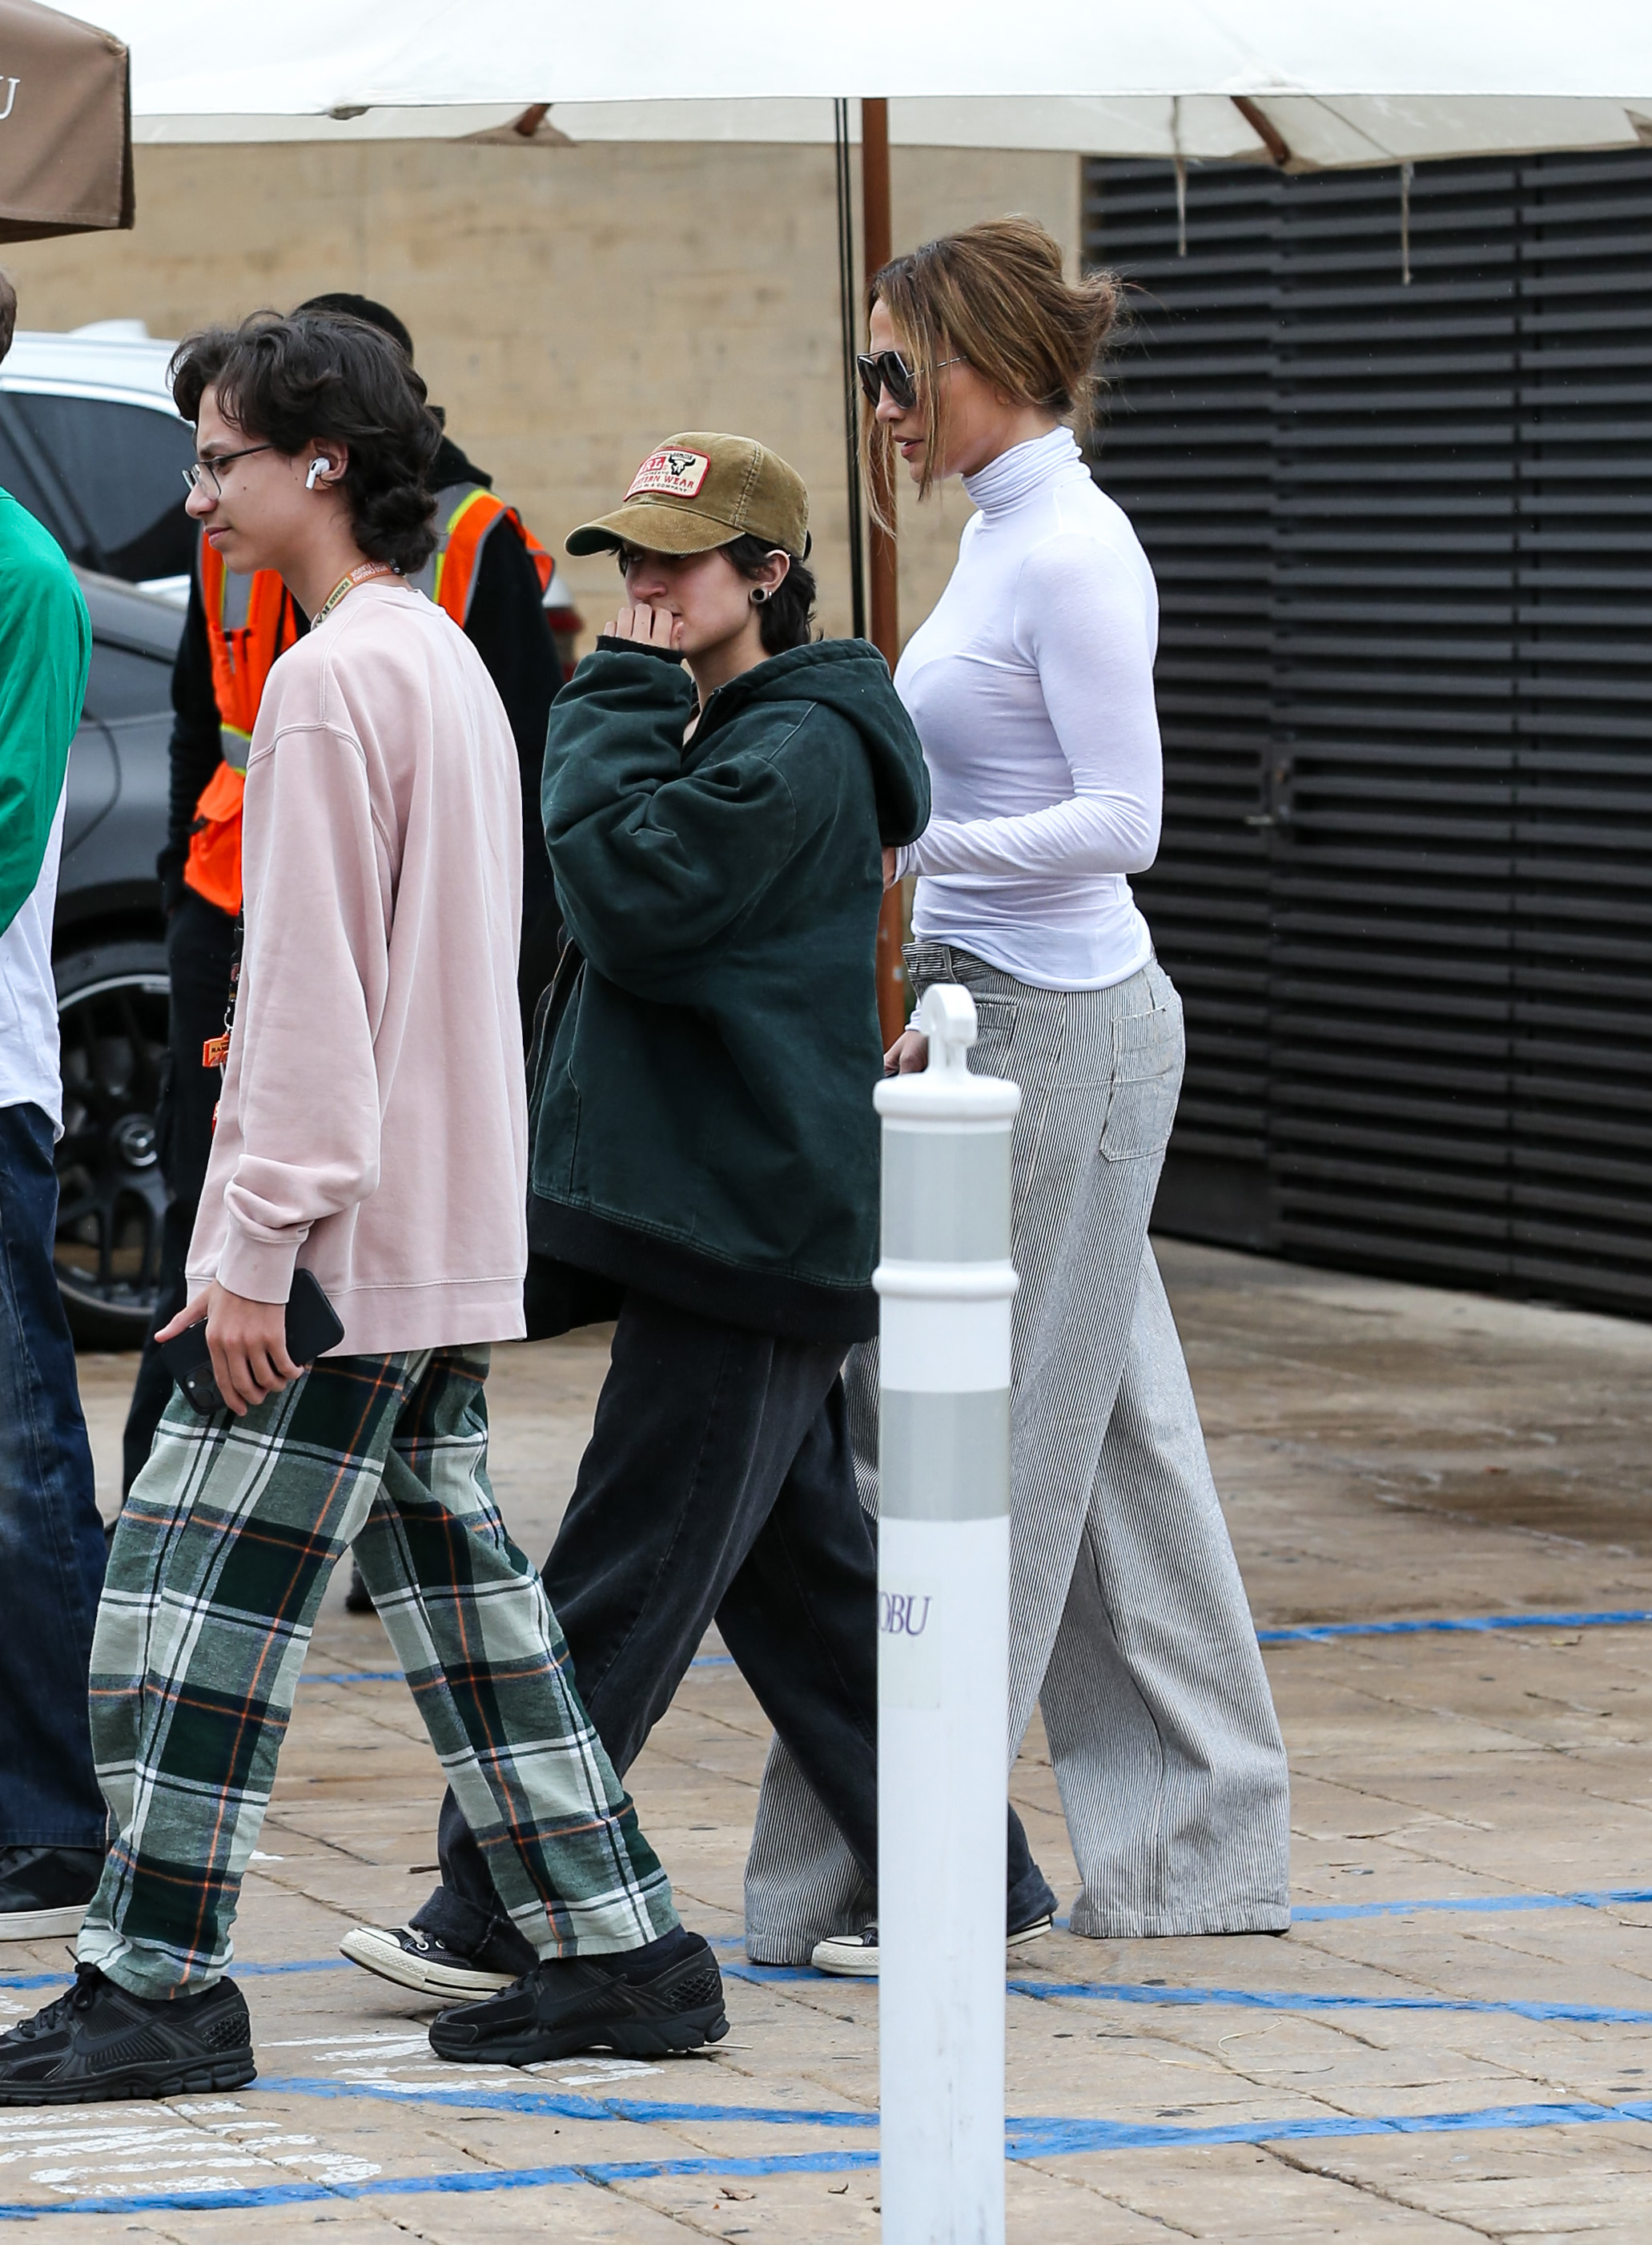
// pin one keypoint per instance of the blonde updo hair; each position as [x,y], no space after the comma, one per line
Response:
[996,295]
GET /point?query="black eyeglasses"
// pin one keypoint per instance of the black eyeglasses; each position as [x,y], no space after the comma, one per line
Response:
[882,370]
[197,468]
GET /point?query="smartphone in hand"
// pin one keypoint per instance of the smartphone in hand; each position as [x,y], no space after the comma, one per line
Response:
[312,1327]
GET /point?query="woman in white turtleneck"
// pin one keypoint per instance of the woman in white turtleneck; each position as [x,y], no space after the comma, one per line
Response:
[1031,686]
[1042,803]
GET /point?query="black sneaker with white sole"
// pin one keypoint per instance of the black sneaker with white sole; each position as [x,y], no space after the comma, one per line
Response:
[97,2043]
[418,1960]
[44,1891]
[643,2003]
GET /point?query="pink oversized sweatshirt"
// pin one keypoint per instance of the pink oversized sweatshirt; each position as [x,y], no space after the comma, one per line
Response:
[372,1125]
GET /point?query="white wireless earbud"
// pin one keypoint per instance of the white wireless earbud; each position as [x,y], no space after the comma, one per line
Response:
[316,467]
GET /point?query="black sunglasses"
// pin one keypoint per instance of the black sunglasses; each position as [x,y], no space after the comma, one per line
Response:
[882,370]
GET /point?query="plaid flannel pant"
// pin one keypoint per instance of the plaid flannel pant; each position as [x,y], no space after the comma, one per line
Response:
[216,1570]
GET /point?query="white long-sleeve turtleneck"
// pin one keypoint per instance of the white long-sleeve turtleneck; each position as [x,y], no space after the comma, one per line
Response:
[1031,686]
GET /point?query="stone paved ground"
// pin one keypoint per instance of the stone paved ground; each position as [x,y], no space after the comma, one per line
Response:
[1452,2042]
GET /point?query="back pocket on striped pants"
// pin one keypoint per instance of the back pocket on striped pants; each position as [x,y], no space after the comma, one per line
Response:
[1147,1082]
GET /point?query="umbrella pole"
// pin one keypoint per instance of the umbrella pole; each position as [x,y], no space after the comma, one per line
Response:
[875,243]
[849,327]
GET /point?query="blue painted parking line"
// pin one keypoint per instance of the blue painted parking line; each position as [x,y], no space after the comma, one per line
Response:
[1272,1999]
[399,1676]
[1321,1913]
[238,1970]
[1310,1632]
[302,1964]
[1030,2138]
[1035,2139]
[1322,1632]
[554,2104]
[355,1676]
[731,1971]
[468,2180]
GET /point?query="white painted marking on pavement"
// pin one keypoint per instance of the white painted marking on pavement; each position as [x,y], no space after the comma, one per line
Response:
[145,2142]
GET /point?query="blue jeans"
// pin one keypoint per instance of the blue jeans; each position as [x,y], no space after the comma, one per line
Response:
[51,1540]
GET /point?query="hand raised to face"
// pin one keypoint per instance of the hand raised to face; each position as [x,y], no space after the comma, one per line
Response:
[651,627]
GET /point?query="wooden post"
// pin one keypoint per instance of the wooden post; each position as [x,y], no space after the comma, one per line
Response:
[884,587]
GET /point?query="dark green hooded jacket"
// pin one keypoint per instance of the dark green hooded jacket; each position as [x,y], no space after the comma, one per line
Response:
[703,1115]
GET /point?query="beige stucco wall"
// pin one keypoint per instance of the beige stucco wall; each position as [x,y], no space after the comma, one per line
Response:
[570,307]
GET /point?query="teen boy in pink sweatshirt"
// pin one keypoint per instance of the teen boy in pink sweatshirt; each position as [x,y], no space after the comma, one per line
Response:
[372,1128]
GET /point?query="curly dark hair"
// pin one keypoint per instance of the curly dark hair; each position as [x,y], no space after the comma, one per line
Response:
[786,616]
[308,377]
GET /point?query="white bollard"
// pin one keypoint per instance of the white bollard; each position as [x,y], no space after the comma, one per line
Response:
[945,1281]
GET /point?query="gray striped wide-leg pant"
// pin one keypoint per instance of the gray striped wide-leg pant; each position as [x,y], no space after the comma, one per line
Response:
[1129,1621]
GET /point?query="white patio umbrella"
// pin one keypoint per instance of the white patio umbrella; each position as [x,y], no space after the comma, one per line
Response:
[1303,131]
[1329,84]
[1301,83]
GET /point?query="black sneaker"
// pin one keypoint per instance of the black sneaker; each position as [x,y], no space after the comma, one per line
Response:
[642,2002]
[418,1960]
[45,1890]
[358,1598]
[98,2042]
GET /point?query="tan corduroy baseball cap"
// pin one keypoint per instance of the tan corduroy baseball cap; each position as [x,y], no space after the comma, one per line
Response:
[698,491]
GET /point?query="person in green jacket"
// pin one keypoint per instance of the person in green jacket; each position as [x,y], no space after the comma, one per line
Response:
[719,791]
[51,1540]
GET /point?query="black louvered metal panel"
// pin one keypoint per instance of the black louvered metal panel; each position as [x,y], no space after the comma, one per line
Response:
[1392,722]
[1425,656]
[1188,453]
[1582,1136]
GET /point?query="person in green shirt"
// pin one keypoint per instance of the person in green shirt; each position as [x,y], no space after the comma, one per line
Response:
[51,1540]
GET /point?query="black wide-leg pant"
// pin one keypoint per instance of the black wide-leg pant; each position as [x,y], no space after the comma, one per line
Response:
[718,1486]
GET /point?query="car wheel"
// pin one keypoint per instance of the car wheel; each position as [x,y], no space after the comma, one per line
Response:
[111,1016]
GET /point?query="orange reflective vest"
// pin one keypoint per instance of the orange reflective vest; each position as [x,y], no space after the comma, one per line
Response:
[251,621]
[465,514]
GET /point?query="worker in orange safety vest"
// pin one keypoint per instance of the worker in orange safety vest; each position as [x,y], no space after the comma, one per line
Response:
[492,576]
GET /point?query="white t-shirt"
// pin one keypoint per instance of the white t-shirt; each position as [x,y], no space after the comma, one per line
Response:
[29,1056]
[1031,686]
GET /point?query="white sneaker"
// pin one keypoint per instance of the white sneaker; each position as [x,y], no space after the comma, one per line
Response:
[414,1960]
[854,1956]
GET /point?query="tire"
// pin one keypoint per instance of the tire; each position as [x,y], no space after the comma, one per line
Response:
[111,1197]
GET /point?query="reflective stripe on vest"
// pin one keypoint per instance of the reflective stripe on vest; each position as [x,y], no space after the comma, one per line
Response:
[250,620]
[465,515]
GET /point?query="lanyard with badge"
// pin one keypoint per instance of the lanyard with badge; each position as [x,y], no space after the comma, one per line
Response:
[215,1051]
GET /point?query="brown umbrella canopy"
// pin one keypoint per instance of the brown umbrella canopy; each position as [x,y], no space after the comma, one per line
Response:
[65,137]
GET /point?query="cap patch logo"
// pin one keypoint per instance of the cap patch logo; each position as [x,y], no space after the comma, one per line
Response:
[670,474]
